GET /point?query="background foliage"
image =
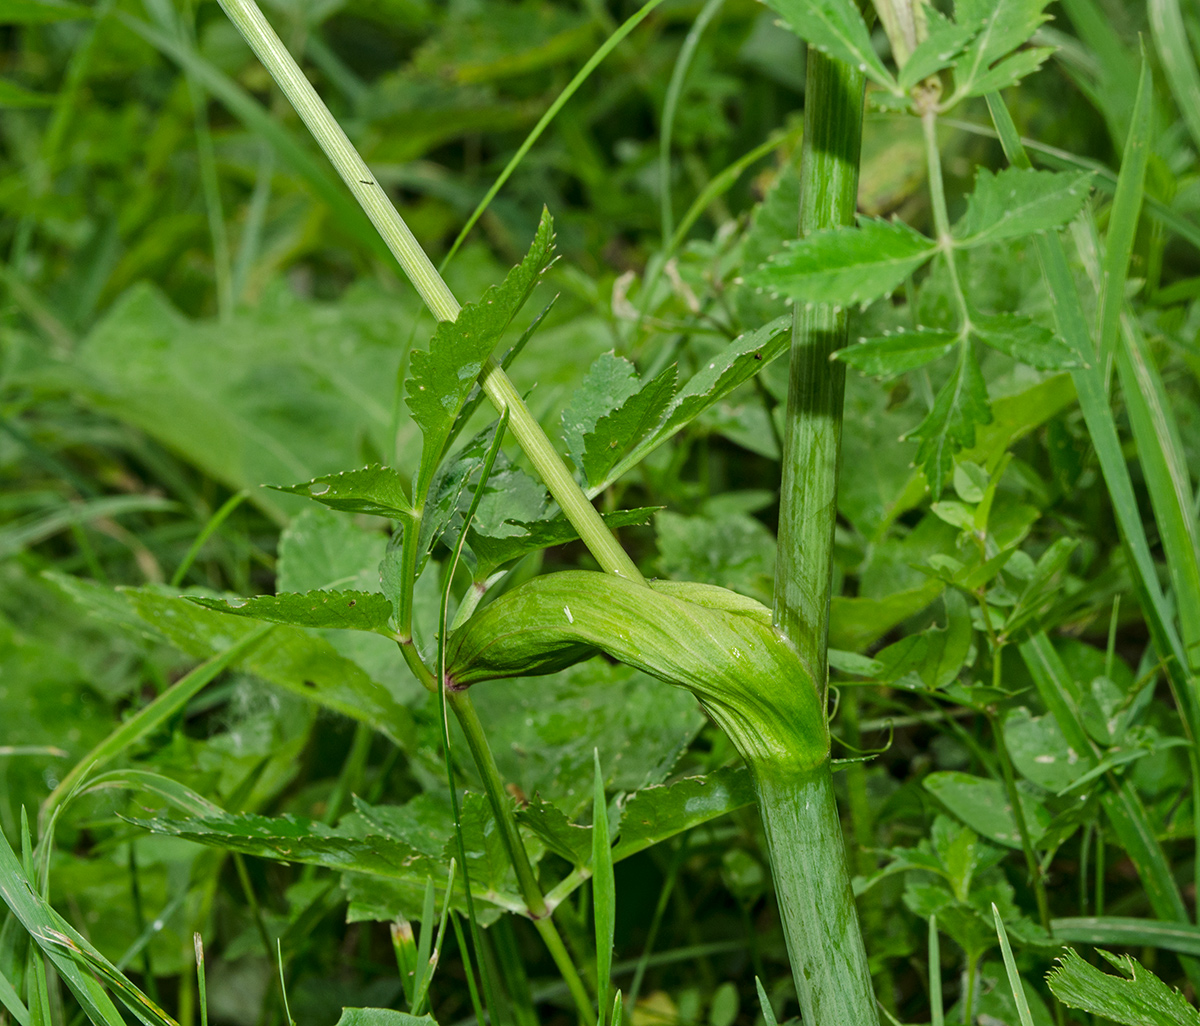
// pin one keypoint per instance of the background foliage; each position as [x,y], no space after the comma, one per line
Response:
[191,309]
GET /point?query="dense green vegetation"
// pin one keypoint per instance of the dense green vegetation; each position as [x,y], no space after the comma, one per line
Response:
[258,505]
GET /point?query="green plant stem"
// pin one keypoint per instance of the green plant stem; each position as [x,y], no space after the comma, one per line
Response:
[817,385]
[941,219]
[493,785]
[816,903]
[807,852]
[266,44]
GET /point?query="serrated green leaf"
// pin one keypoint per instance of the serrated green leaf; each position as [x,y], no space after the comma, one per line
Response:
[944,42]
[343,610]
[844,266]
[889,355]
[494,550]
[376,490]
[1016,202]
[621,428]
[1023,340]
[1136,997]
[442,377]
[1003,26]
[950,425]
[736,364]
[566,839]
[610,380]
[1011,70]
[836,28]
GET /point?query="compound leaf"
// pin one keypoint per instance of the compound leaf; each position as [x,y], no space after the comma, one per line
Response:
[1011,70]
[844,266]
[1018,201]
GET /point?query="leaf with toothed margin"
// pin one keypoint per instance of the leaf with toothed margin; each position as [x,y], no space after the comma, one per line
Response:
[889,355]
[345,610]
[1011,70]
[376,490]
[845,266]
[1024,340]
[950,424]
[1018,201]
[616,431]
[442,377]
[835,28]
[945,41]
[1004,25]
[1136,997]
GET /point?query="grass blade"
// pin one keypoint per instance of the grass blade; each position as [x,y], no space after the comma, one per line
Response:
[937,1010]
[209,529]
[764,1002]
[581,76]
[604,892]
[1010,966]
[37,917]
[1171,41]
[258,120]
[678,75]
[1123,932]
[1126,209]
[11,1000]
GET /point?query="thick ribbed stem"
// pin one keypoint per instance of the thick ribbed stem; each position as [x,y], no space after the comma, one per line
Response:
[813,429]
[804,834]
[816,904]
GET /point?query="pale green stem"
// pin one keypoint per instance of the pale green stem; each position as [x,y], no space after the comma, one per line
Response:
[941,220]
[267,45]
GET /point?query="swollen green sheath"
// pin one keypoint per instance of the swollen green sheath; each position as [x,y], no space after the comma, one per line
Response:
[719,645]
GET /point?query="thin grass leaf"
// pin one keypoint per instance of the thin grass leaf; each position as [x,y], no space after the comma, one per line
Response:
[535,133]
[11,1000]
[1010,967]
[481,954]
[210,528]
[287,1010]
[201,981]
[1125,211]
[764,1002]
[434,957]
[346,213]
[1171,41]
[37,916]
[937,1009]
[1097,413]
[604,891]
[1119,931]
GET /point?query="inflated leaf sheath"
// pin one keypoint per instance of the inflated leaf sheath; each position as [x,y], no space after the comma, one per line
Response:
[719,645]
